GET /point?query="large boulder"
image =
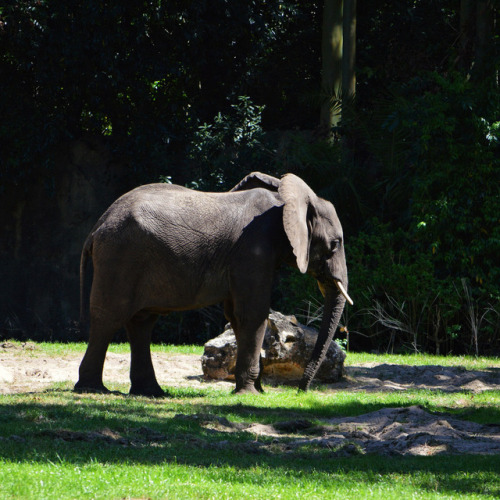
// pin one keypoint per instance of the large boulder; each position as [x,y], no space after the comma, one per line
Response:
[287,348]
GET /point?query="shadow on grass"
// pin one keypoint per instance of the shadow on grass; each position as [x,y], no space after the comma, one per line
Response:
[79,428]
[448,379]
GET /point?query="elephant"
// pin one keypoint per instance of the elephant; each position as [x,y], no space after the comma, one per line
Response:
[162,248]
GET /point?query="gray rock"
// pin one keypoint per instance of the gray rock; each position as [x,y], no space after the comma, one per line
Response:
[287,348]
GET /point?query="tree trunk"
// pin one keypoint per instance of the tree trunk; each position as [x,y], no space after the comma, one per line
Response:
[331,53]
[484,38]
[348,77]
[349,52]
[477,21]
[467,27]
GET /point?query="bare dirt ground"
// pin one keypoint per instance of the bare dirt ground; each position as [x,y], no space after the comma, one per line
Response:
[409,430]
[23,369]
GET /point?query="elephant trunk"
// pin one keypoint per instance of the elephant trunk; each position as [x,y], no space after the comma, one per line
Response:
[334,305]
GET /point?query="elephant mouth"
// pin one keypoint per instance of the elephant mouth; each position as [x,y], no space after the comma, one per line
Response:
[340,288]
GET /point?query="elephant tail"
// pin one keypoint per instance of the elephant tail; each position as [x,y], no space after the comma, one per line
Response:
[84,305]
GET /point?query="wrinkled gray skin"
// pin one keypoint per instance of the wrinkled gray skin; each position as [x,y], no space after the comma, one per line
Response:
[162,248]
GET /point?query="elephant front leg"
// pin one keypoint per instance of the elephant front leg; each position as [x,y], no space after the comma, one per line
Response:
[247,310]
[248,370]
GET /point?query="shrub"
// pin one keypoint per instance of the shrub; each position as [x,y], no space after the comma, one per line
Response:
[403,304]
[221,153]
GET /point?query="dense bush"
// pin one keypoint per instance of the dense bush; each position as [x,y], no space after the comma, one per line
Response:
[432,274]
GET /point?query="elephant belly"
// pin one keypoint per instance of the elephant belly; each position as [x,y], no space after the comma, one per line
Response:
[191,292]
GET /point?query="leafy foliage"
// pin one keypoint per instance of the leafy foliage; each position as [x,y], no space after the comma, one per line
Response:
[143,74]
[202,93]
[229,148]
[450,232]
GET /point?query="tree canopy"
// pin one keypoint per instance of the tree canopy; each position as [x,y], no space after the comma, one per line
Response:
[201,93]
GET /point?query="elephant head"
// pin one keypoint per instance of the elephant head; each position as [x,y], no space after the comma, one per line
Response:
[315,234]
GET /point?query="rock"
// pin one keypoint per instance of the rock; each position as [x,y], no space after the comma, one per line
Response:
[287,348]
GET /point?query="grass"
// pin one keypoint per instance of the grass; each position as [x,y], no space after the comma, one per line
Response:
[59,444]
[58,348]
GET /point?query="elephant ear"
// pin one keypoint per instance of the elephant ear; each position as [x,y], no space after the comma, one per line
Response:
[298,197]
[257,180]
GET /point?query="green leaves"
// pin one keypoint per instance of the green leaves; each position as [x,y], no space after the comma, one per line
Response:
[227,149]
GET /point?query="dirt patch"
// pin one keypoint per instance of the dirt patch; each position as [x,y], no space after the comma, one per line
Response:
[23,368]
[390,431]
[387,377]
[405,431]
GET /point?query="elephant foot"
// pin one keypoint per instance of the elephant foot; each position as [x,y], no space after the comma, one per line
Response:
[149,391]
[258,386]
[91,388]
[250,389]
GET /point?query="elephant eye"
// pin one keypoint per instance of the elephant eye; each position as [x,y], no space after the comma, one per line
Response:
[334,246]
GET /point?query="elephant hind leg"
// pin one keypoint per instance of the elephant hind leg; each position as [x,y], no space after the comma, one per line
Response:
[90,371]
[142,374]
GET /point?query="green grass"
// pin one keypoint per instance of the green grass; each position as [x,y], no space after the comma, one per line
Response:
[59,444]
[189,460]
[57,349]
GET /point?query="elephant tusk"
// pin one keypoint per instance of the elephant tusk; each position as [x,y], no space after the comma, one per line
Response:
[343,291]
[341,288]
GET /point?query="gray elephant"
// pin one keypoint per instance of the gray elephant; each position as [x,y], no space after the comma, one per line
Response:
[162,248]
